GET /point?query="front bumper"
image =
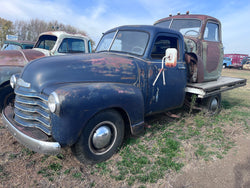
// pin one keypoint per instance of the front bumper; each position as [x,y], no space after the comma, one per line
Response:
[32,138]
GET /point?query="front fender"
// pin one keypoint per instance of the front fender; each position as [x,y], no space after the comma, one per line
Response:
[80,102]
[7,71]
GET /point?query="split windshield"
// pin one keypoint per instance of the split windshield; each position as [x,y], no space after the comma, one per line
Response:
[133,42]
[190,27]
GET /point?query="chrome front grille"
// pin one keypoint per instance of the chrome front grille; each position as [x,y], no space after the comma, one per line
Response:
[31,110]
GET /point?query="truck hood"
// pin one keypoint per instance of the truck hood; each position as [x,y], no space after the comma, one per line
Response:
[18,57]
[86,68]
[44,51]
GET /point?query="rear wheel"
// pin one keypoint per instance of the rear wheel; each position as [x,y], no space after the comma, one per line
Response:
[100,138]
[212,105]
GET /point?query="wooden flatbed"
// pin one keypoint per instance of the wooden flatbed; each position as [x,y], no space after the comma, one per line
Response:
[207,89]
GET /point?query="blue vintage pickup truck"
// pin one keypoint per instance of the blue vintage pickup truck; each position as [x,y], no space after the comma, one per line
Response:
[91,102]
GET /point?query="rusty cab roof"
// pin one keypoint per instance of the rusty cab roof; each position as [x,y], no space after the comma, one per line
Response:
[188,16]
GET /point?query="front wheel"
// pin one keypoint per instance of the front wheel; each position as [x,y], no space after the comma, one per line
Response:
[212,105]
[101,138]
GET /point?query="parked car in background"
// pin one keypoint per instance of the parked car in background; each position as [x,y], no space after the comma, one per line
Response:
[17,45]
[48,44]
[227,62]
[61,43]
[236,60]
[246,65]
[245,60]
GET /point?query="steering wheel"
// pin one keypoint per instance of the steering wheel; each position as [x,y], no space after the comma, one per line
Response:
[137,49]
[191,31]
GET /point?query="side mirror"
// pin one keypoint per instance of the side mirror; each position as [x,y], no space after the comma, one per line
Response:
[170,58]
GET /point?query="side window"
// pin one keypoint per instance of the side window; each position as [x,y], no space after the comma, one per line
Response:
[161,44]
[70,45]
[211,32]
[105,42]
[90,47]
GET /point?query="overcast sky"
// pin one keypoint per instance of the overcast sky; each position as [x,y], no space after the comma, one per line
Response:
[95,17]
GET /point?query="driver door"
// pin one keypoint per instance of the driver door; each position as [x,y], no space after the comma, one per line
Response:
[171,95]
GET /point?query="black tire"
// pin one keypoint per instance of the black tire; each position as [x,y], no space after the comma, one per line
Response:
[212,105]
[7,97]
[92,148]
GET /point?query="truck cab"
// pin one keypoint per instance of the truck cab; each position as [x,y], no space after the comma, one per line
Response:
[203,44]
[62,43]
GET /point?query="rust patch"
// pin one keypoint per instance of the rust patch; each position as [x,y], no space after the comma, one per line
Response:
[33,54]
[18,58]
[191,16]
[213,57]
[112,66]
[12,57]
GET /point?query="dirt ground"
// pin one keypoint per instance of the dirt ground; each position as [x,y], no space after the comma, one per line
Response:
[233,171]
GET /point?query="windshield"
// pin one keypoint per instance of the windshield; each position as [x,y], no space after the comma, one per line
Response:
[11,47]
[46,42]
[227,59]
[71,45]
[134,42]
[189,27]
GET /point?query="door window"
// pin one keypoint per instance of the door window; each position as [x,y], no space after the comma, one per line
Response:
[211,32]
[161,44]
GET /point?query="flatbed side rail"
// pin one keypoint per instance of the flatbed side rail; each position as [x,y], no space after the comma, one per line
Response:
[207,89]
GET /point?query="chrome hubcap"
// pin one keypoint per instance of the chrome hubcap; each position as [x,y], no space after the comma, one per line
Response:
[214,104]
[101,137]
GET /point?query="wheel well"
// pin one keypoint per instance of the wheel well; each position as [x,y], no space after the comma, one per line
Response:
[125,117]
[5,91]
[126,121]
[5,84]
[191,57]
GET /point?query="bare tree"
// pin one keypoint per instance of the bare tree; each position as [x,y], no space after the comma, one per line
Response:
[30,30]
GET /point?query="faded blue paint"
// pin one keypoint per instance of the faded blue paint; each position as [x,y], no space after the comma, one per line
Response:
[87,84]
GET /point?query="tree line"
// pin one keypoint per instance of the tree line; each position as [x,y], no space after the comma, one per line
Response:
[29,30]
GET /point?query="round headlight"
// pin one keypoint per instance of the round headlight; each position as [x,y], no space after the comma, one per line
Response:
[53,102]
[13,81]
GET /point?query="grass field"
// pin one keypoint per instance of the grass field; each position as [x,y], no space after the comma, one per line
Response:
[168,145]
